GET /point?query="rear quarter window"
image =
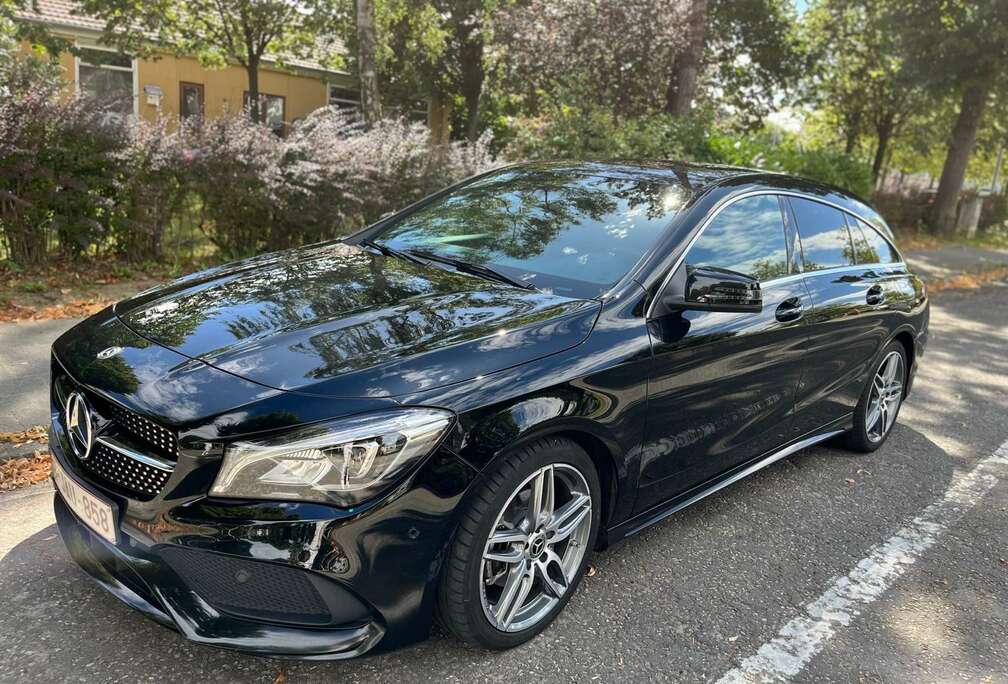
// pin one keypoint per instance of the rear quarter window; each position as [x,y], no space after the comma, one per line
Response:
[826,242]
[869,246]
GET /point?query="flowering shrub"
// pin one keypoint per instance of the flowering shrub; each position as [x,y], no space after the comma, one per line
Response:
[74,175]
[234,166]
[152,187]
[56,183]
[327,178]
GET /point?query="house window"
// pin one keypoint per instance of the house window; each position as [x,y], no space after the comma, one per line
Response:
[344,98]
[271,111]
[108,77]
[191,102]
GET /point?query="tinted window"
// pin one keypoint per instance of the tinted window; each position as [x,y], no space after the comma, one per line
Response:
[824,237]
[869,246]
[557,229]
[747,236]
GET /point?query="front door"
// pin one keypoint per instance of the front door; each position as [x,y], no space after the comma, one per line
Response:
[722,387]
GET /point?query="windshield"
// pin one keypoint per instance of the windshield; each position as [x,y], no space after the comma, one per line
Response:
[559,230]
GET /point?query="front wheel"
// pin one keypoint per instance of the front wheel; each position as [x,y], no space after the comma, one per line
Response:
[522,546]
[880,402]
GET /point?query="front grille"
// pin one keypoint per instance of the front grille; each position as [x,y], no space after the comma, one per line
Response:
[128,475]
[126,444]
[250,588]
[161,440]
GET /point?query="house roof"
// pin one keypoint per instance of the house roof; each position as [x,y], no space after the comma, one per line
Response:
[67,14]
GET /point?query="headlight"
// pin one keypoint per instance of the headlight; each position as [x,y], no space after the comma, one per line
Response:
[341,462]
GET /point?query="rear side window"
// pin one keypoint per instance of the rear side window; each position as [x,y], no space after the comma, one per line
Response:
[869,246]
[826,243]
[747,236]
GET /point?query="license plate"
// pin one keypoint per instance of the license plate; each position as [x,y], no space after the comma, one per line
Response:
[97,514]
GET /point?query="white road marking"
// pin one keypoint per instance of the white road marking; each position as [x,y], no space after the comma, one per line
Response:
[802,638]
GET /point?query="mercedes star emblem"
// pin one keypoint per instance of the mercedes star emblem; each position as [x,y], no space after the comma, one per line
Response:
[109,352]
[79,427]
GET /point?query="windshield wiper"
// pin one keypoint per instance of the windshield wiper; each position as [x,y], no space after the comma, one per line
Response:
[388,251]
[474,269]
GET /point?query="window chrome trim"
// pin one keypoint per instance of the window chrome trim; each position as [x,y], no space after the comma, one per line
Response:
[727,202]
[827,271]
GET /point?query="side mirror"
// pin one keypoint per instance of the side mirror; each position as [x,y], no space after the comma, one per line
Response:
[707,288]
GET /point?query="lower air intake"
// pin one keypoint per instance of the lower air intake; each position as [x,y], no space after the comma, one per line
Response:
[263,591]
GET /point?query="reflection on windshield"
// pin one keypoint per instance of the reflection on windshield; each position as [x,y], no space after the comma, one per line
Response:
[557,229]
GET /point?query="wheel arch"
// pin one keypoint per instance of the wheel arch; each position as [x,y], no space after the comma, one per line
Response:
[905,336]
[591,435]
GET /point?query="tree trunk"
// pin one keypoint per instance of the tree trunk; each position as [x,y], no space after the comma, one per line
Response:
[884,131]
[850,141]
[255,108]
[439,117]
[366,61]
[853,130]
[682,86]
[471,54]
[943,217]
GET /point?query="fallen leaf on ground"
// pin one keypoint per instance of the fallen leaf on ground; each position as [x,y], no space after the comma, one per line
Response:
[32,434]
[968,281]
[21,472]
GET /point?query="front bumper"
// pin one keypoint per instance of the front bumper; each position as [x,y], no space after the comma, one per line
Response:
[281,579]
[142,580]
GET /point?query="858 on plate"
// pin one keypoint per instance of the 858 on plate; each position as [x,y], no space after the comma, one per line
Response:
[97,514]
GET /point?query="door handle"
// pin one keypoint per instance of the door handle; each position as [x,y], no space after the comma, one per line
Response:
[790,309]
[876,295]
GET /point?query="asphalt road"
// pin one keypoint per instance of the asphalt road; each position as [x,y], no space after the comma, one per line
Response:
[24,371]
[827,566]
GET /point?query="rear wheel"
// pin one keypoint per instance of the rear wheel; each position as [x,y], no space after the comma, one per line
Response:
[880,402]
[522,546]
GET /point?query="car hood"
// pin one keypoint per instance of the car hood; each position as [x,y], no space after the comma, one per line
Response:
[340,320]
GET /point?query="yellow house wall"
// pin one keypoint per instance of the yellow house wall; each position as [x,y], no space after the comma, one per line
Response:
[223,89]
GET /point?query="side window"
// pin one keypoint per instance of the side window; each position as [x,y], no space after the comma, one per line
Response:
[869,246]
[747,237]
[826,243]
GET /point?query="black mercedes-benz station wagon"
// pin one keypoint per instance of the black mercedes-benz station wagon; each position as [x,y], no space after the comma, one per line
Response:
[317,453]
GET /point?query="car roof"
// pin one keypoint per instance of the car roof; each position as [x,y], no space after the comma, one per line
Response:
[698,179]
[694,176]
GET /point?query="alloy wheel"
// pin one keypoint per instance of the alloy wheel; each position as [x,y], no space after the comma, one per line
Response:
[536,547]
[886,395]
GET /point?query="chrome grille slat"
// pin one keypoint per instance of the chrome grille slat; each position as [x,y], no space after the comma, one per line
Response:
[142,480]
[161,439]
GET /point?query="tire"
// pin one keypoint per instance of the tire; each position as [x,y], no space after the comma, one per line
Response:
[867,435]
[467,600]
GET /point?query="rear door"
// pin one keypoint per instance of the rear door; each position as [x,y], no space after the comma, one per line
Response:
[851,290]
[722,386]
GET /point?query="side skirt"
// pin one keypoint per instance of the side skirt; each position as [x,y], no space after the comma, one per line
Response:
[656,515]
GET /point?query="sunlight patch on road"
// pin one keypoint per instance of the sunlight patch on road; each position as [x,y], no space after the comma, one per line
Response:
[24,513]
